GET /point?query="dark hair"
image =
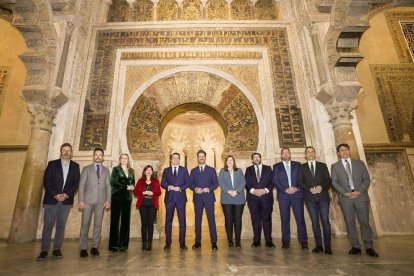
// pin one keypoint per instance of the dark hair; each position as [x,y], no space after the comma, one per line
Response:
[309,147]
[256,153]
[284,149]
[201,151]
[175,153]
[226,168]
[342,145]
[143,176]
[65,145]
[98,149]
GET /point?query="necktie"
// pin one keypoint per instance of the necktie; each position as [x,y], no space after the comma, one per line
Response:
[257,173]
[312,169]
[175,171]
[288,174]
[98,171]
[201,169]
[349,173]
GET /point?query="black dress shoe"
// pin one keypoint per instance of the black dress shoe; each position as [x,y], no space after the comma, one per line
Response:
[354,251]
[42,256]
[197,245]
[270,245]
[238,245]
[328,251]
[94,252]
[256,244]
[231,244]
[167,247]
[285,246]
[84,253]
[214,246]
[57,254]
[371,252]
[317,249]
[304,246]
[183,246]
[149,246]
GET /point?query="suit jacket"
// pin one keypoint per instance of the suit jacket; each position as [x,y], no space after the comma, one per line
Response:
[281,182]
[360,178]
[93,190]
[306,181]
[182,180]
[139,189]
[120,182]
[224,180]
[265,181]
[53,182]
[205,179]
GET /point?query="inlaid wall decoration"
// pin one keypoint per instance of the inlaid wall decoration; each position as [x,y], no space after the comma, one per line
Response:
[391,184]
[394,86]
[400,24]
[98,95]
[5,72]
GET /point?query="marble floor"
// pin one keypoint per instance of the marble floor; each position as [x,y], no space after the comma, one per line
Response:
[396,258]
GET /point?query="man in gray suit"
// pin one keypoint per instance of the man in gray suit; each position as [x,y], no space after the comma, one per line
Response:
[94,197]
[351,179]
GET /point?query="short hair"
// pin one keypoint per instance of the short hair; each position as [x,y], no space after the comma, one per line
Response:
[175,153]
[201,151]
[143,176]
[65,145]
[256,153]
[342,145]
[309,147]
[284,149]
[98,149]
[226,168]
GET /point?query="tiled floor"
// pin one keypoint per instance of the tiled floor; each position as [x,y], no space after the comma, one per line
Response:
[396,258]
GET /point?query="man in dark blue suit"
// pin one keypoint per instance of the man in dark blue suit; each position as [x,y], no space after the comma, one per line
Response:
[289,195]
[260,199]
[203,183]
[175,180]
[61,181]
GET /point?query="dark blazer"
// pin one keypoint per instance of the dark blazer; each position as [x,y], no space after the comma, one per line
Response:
[206,179]
[281,182]
[120,182]
[306,181]
[139,189]
[265,180]
[182,180]
[53,182]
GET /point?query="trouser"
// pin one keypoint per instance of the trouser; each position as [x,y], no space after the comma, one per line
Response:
[97,210]
[320,210]
[54,214]
[120,224]
[233,219]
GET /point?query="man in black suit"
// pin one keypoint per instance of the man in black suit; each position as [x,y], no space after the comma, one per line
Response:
[61,182]
[314,179]
[260,199]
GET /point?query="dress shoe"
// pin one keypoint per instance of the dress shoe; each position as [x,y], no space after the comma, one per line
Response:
[304,246]
[256,244]
[196,245]
[231,244]
[183,246]
[167,247]
[123,249]
[144,245]
[84,253]
[238,245]
[270,245]
[371,252]
[354,251]
[149,246]
[94,251]
[42,256]
[328,251]
[317,249]
[285,246]
[214,246]
[57,254]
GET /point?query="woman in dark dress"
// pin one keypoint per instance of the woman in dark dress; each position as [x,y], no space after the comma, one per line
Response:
[122,184]
[147,190]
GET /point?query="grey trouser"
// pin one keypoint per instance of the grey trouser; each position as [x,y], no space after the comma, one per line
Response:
[97,211]
[54,214]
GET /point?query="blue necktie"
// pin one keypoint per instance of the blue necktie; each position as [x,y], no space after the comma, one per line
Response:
[98,171]
[288,174]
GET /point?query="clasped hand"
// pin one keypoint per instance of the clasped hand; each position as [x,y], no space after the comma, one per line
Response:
[316,190]
[291,190]
[172,188]
[259,192]
[202,190]
[61,197]
[353,195]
